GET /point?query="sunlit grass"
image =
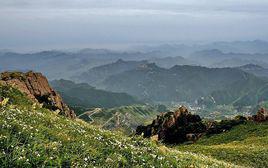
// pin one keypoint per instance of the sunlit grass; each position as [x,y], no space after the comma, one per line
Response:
[245,145]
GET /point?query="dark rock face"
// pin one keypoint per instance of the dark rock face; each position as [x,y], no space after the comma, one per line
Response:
[223,126]
[37,88]
[174,127]
[261,116]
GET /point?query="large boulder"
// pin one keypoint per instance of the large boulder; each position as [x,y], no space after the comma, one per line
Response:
[37,88]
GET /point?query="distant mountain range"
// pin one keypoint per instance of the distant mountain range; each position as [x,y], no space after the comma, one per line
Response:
[234,62]
[96,75]
[86,96]
[246,47]
[184,83]
[54,64]
[65,64]
[61,64]
[148,81]
[168,62]
[217,58]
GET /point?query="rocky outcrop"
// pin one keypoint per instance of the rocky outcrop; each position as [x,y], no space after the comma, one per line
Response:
[182,126]
[217,127]
[261,116]
[37,88]
[174,127]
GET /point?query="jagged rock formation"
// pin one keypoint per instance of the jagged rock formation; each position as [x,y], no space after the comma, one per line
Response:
[37,88]
[261,116]
[181,126]
[174,127]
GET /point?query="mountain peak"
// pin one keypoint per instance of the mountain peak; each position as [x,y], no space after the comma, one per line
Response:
[120,61]
[251,67]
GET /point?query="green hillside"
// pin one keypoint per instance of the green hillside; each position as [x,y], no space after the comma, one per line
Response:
[86,96]
[31,136]
[244,145]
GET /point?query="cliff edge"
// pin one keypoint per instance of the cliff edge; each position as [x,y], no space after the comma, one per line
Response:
[37,88]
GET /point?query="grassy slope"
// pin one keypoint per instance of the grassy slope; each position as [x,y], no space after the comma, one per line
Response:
[137,114]
[129,117]
[31,136]
[245,145]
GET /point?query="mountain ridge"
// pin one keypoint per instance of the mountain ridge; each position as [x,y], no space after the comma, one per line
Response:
[86,96]
[174,84]
[97,74]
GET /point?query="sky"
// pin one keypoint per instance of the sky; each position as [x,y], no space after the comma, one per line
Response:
[33,24]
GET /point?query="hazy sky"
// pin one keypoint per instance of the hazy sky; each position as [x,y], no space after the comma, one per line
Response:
[34,24]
